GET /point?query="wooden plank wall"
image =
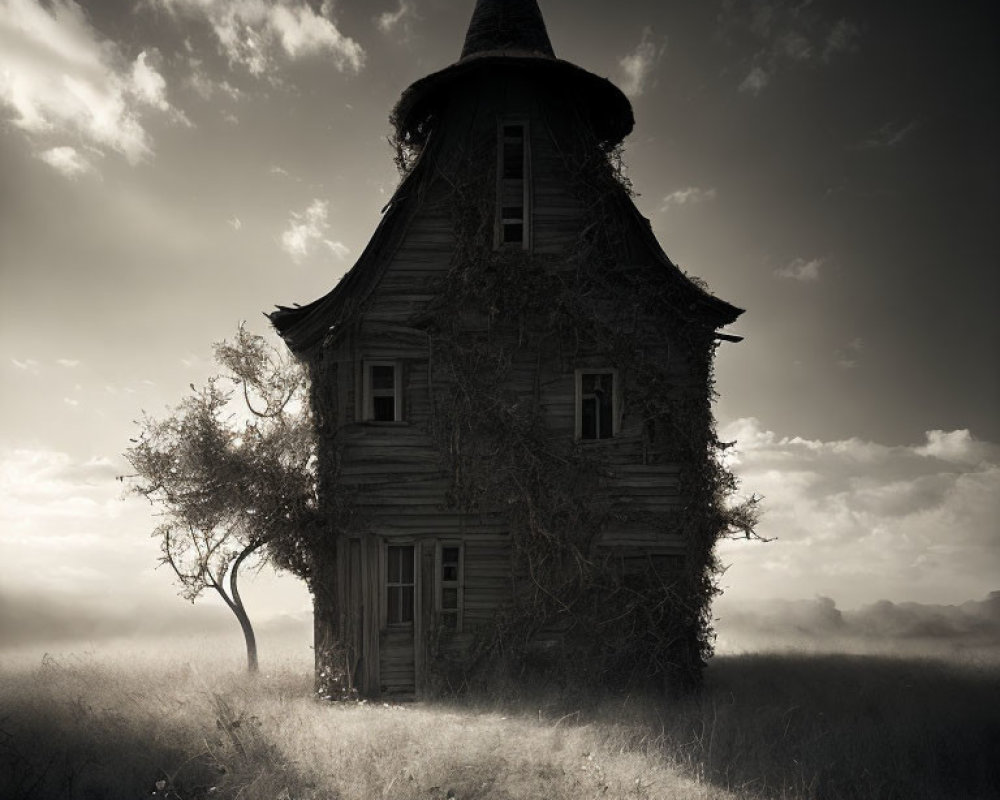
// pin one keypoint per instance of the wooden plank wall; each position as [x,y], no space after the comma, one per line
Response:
[395,469]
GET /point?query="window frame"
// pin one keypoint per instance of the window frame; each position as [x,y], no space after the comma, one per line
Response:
[502,220]
[616,394]
[369,393]
[386,584]
[440,584]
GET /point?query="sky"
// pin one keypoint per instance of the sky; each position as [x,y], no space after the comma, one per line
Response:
[170,168]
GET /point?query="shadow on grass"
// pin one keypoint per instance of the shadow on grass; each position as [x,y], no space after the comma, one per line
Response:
[838,726]
[824,727]
[77,730]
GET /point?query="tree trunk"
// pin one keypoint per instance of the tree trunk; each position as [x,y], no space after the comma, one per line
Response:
[235,604]
[240,611]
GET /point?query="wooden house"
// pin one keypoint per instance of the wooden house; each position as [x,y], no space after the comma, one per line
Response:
[511,390]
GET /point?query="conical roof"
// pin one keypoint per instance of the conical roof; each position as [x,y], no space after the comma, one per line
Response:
[508,25]
[506,35]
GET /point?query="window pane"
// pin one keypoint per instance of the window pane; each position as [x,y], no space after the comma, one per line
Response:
[588,417]
[383,409]
[449,572]
[449,555]
[597,405]
[393,558]
[406,567]
[513,213]
[513,159]
[449,599]
[383,377]
[395,604]
[449,621]
[605,417]
[513,232]
[513,131]
[406,610]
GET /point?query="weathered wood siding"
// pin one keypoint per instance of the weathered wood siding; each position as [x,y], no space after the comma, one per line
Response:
[394,470]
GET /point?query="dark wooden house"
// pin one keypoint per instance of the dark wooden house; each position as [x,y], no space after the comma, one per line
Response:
[511,390]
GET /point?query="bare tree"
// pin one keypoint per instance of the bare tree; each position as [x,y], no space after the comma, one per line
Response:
[234,479]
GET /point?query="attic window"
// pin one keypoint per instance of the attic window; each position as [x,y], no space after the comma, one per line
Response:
[596,403]
[513,194]
[382,391]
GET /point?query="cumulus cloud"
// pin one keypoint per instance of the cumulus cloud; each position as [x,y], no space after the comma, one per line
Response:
[688,196]
[801,269]
[307,230]
[253,33]
[59,78]
[861,521]
[637,66]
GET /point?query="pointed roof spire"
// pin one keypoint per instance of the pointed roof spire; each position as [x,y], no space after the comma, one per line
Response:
[505,36]
[505,26]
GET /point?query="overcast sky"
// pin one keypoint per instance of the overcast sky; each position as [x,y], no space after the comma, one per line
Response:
[169,168]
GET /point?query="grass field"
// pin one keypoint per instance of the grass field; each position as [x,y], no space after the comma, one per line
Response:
[766,726]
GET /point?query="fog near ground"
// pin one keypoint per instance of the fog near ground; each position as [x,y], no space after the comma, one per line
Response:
[967,629]
[31,626]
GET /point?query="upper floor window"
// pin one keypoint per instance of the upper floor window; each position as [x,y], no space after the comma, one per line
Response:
[596,403]
[513,188]
[382,391]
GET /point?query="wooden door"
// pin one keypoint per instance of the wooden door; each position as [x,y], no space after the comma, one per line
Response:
[397,673]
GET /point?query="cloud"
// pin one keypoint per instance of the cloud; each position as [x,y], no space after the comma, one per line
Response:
[69,363]
[26,365]
[801,269]
[863,520]
[848,357]
[637,66]
[252,32]
[687,196]
[843,38]
[388,21]
[235,223]
[783,34]
[66,160]
[888,135]
[307,229]
[755,81]
[60,79]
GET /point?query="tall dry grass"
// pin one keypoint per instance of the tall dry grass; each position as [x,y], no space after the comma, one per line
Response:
[765,727]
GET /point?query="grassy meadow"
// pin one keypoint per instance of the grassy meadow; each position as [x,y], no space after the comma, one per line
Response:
[163,724]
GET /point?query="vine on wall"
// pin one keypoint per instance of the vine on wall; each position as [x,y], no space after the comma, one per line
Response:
[503,314]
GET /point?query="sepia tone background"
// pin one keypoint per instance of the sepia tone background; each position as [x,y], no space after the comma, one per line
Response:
[169,168]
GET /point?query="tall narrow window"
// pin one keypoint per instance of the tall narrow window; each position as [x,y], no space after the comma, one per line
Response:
[382,391]
[512,189]
[596,404]
[399,584]
[449,579]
